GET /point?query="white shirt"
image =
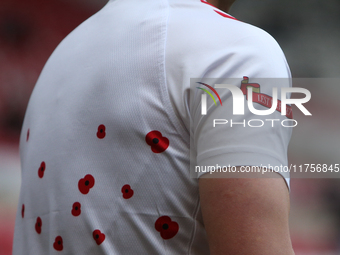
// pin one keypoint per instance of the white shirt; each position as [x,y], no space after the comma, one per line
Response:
[105,144]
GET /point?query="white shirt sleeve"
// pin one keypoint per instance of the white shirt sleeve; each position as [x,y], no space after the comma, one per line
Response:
[211,46]
[245,140]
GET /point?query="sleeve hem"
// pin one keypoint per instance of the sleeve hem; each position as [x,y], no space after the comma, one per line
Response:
[246,159]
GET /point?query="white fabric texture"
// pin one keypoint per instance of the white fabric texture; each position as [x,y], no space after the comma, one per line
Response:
[105,141]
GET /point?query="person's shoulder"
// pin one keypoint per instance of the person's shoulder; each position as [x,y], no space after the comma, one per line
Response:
[203,37]
[204,26]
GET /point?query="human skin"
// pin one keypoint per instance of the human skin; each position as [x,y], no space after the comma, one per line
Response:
[246,215]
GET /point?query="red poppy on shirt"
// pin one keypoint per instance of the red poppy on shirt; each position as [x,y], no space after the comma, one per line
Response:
[85,184]
[41,169]
[76,209]
[23,210]
[58,243]
[101,131]
[166,227]
[98,236]
[157,142]
[38,225]
[127,191]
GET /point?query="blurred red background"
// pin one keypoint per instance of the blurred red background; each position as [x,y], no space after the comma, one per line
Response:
[29,31]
